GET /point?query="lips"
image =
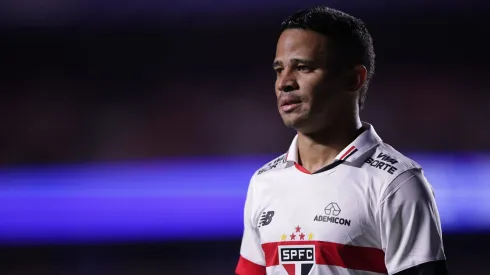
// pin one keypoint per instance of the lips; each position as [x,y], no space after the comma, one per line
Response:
[289,103]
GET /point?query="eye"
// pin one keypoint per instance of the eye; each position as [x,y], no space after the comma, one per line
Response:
[278,70]
[303,68]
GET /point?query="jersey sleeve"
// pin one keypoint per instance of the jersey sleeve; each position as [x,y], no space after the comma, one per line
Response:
[252,260]
[409,223]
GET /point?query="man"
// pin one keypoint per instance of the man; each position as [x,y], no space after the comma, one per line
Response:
[340,201]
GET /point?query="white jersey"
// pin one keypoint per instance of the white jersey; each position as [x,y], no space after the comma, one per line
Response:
[370,212]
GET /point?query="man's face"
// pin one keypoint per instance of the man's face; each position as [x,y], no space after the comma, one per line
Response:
[308,94]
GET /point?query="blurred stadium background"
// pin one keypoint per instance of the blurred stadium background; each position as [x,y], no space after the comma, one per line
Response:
[129,130]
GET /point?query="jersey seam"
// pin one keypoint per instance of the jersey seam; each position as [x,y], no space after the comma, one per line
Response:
[253,204]
[398,186]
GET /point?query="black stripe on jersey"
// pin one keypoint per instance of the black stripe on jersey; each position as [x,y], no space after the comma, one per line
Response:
[328,167]
[430,268]
[351,153]
[335,163]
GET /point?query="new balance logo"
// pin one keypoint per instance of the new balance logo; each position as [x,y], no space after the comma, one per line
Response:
[266,218]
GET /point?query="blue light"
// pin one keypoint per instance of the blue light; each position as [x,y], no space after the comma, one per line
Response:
[187,199]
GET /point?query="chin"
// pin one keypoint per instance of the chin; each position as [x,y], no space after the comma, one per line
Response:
[302,124]
[294,122]
[298,119]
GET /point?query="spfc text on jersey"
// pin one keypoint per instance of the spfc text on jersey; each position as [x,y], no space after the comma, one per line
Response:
[297,254]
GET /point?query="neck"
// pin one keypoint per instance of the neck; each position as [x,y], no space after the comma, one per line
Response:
[319,149]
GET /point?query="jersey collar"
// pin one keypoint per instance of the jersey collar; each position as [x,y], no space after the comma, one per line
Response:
[363,143]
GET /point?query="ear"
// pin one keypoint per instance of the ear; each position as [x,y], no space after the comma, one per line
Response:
[356,78]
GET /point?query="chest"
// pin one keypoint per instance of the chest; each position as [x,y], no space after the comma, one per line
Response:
[333,207]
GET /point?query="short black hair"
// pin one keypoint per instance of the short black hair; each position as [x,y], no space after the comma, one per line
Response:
[349,35]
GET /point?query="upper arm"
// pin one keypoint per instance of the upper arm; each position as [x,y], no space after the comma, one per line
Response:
[252,260]
[409,224]
[430,268]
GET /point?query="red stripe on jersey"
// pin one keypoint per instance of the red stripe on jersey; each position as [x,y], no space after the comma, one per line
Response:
[301,168]
[290,269]
[348,152]
[246,267]
[327,253]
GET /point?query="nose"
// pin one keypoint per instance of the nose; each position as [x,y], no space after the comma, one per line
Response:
[286,82]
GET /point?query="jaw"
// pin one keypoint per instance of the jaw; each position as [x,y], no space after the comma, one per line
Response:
[305,122]
[295,120]
[299,118]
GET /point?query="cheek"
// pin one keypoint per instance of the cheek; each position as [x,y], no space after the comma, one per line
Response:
[276,88]
[311,88]
[318,96]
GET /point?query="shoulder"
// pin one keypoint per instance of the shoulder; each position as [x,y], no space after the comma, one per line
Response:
[275,164]
[388,162]
[389,167]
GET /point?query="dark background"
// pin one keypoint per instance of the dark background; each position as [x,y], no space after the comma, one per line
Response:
[109,84]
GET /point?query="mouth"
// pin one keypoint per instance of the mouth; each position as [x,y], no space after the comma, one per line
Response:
[289,105]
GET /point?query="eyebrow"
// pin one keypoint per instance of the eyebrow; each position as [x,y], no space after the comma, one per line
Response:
[299,60]
[278,63]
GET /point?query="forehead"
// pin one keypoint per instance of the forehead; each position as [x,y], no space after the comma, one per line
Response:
[299,43]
